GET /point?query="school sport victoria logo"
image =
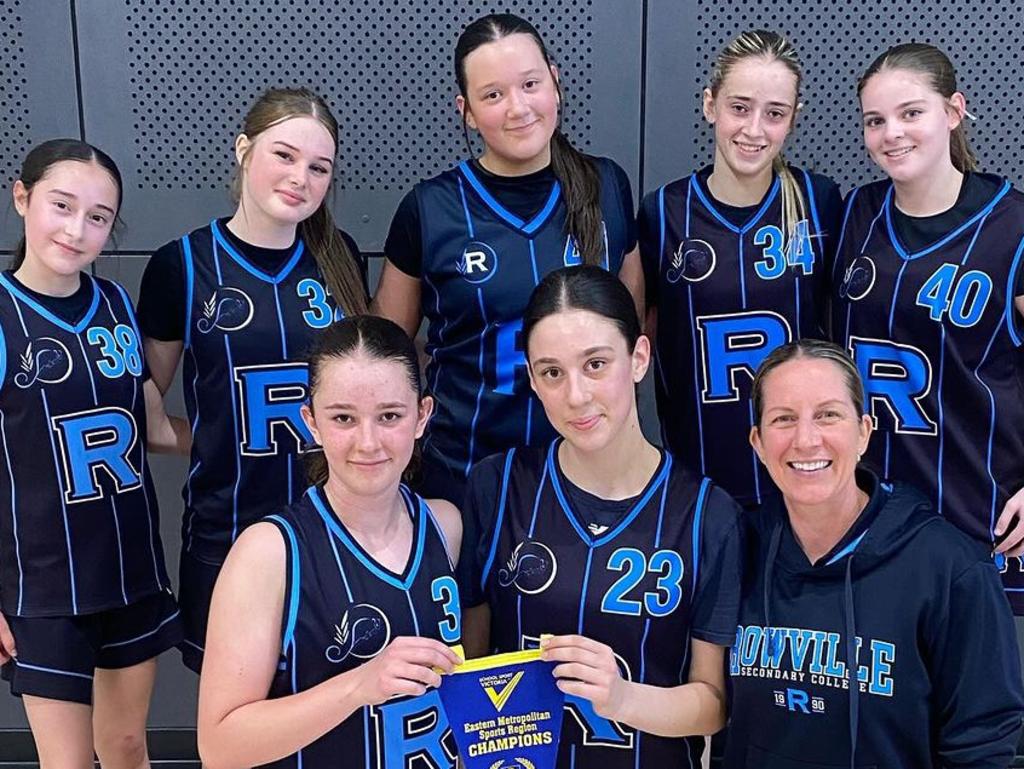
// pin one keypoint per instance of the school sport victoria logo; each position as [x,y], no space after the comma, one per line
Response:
[229,309]
[363,632]
[531,568]
[499,688]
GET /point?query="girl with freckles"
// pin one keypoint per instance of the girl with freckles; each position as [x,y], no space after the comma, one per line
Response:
[333,616]
[603,540]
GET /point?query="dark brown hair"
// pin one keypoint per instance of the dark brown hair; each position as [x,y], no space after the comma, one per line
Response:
[45,156]
[578,175]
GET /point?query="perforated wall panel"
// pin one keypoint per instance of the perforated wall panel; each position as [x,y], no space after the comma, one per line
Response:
[837,40]
[169,82]
[37,89]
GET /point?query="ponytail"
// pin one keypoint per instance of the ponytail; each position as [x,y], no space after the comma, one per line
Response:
[581,191]
[335,259]
[960,152]
[794,207]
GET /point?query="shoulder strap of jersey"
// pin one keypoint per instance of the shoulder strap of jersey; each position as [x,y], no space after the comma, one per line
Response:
[496,531]
[292,580]
[189,271]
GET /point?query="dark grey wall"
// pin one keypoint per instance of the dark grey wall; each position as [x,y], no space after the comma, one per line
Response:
[162,85]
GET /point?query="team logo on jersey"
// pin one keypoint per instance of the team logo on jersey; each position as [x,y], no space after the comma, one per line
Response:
[531,568]
[477,263]
[45,360]
[363,633]
[693,261]
[229,309]
[859,279]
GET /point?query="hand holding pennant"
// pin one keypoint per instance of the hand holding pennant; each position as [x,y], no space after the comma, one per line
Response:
[505,711]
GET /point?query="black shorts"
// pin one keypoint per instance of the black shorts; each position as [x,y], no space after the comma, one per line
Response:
[196,579]
[57,656]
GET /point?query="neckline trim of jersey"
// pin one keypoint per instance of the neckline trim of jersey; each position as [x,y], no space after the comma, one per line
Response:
[75,328]
[402,581]
[248,266]
[526,227]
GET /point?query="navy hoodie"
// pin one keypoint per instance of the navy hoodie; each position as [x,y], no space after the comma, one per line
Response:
[918,605]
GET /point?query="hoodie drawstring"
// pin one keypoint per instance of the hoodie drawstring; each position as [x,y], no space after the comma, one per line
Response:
[851,661]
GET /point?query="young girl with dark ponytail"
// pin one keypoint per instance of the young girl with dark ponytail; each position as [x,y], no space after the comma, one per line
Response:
[467,247]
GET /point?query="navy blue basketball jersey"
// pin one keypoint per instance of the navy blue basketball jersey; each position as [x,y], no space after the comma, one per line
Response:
[79,528]
[480,265]
[937,341]
[246,337]
[727,295]
[342,609]
[666,570]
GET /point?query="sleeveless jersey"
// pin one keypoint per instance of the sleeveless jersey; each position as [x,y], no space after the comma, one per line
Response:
[246,337]
[480,264]
[79,530]
[727,295]
[634,586]
[937,341]
[342,609]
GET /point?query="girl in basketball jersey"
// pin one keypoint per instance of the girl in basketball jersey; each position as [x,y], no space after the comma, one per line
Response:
[85,600]
[331,608]
[606,542]
[735,261]
[928,299]
[467,247]
[242,299]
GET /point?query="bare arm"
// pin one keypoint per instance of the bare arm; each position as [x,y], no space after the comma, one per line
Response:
[632,274]
[164,434]
[398,298]
[588,669]
[450,521]
[476,630]
[238,726]
[162,359]
[1018,302]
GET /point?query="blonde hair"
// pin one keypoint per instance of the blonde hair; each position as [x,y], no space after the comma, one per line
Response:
[774,47]
[319,233]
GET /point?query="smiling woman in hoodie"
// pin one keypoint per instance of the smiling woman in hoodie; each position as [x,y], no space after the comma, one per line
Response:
[844,567]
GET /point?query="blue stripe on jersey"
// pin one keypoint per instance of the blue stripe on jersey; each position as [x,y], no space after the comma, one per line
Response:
[503,213]
[898,246]
[465,208]
[991,434]
[14,511]
[339,531]
[698,517]
[88,370]
[1011,293]
[661,226]
[696,381]
[3,358]
[503,498]
[293,588]
[63,505]
[482,378]
[337,560]
[585,535]
[238,452]
[252,269]
[583,589]
[842,233]
[536,499]
[186,247]
[60,323]
[120,549]
[280,326]
[941,428]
